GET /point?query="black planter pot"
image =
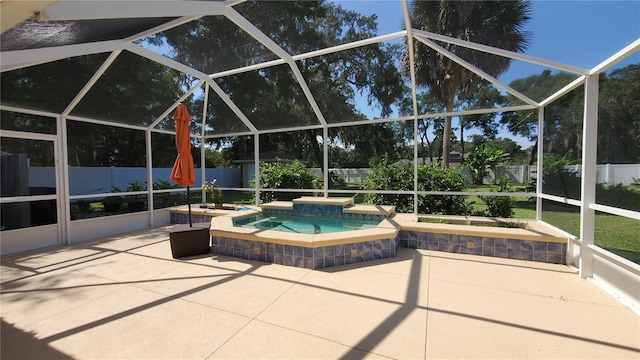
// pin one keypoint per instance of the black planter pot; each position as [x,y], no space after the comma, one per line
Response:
[136,205]
[111,207]
[188,240]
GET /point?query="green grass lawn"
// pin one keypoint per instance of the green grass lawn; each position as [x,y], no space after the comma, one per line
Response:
[237,197]
[614,233]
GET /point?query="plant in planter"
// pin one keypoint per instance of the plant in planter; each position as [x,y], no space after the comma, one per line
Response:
[136,202]
[215,194]
[165,199]
[84,206]
[112,203]
[500,206]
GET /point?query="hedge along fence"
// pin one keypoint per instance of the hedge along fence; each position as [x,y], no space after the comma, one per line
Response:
[431,177]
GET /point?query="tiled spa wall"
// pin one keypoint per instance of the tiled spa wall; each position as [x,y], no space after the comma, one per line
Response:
[335,255]
[329,211]
[310,258]
[541,251]
[176,218]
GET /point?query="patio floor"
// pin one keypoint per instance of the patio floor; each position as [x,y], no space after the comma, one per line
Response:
[124,297]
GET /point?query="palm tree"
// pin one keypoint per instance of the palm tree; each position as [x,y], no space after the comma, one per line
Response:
[494,23]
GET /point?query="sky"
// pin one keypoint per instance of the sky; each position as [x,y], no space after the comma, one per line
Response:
[579,33]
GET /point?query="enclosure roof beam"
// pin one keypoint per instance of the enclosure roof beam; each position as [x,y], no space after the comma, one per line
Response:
[351,45]
[162,27]
[501,52]
[175,104]
[244,69]
[93,10]
[216,136]
[28,111]
[227,100]
[106,122]
[17,59]
[569,87]
[617,57]
[310,54]
[89,84]
[146,53]
[475,70]
[252,30]
[478,111]
[190,71]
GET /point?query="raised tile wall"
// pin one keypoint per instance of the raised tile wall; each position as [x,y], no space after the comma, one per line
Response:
[177,218]
[317,210]
[541,251]
[548,252]
[310,258]
[321,213]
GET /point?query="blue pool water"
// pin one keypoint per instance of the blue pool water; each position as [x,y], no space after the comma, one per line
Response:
[303,224]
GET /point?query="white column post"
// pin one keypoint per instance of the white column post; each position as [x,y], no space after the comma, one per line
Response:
[256,166]
[539,162]
[414,101]
[588,191]
[203,169]
[147,137]
[325,156]
[62,181]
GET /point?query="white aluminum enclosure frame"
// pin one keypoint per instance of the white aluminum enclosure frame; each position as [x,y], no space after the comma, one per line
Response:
[591,261]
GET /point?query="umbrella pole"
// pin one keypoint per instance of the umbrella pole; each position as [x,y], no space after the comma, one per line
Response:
[189,205]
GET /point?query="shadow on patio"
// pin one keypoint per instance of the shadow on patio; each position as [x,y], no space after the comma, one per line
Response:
[125,297]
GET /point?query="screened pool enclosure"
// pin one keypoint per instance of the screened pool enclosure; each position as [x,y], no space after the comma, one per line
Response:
[89,88]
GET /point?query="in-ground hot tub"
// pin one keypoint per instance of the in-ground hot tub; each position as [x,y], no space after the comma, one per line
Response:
[320,250]
[303,224]
[359,241]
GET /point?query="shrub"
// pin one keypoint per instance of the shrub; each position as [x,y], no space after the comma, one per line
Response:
[568,184]
[431,177]
[557,179]
[618,196]
[385,176]
[500,206]
[483,158]
[284,176]
[563,183]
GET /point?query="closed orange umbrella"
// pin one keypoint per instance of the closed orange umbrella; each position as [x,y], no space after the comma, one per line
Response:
[182,172]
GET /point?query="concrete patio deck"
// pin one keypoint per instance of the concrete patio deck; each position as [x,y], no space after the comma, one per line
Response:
[124,297]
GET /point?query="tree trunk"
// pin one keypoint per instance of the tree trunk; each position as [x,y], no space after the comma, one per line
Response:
[243,147]
[461,142]
[423,138]
[316,149]
[534,151]
[430,150]
[446,135]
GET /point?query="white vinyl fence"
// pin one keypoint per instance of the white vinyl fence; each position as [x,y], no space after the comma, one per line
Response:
[97,180]
[609,174]
[94,180]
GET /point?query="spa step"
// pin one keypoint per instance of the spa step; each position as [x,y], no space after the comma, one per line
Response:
[370,209]
[314,200]
[278,205]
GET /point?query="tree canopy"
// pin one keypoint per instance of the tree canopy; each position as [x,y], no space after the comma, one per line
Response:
[494,23]
[618,115]
[273,96]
